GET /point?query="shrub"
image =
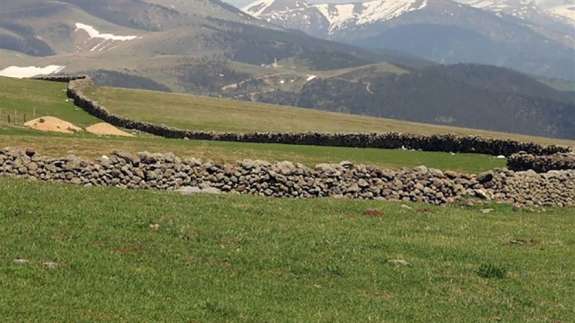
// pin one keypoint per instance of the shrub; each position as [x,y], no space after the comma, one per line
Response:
[491,271]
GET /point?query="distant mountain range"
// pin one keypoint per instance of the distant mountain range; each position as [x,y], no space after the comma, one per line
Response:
[208,47]
[516,34]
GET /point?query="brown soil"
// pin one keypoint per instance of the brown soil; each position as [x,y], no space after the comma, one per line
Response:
[106,129]
[52,124]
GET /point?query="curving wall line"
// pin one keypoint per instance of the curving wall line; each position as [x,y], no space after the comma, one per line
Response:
[391,140]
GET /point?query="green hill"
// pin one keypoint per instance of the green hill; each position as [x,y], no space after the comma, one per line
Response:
[48,98]
[216,114]
[28,99]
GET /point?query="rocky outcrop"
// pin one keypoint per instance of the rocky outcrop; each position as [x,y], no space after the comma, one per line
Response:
[445,143]
[541,164]
[286,179]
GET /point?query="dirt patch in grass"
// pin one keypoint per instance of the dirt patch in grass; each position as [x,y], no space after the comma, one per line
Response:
[106,129]
[52,124]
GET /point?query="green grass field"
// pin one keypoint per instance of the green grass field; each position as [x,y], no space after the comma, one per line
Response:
[71,254]
[48,98]
[91,147]
[214,114]
[26,97]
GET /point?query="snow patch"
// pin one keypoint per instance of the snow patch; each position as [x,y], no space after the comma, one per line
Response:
[257,8]
[517,8]
[340,15]
[30,71]
[311,77]
[566,12]
[337,15]
[94,33]
[389,9]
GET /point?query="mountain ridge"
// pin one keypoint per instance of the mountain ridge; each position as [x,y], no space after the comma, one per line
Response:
[155,46]
[521,37]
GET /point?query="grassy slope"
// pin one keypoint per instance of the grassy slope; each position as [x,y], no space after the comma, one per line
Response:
[239,258]
[213,114]
[560,85]
[45,98]
[49,99]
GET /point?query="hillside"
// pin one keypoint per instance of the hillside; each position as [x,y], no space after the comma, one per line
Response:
[512,34]
[212,114]
[219,51]
[23,97]
[473,96]
[148,39]
[187,162]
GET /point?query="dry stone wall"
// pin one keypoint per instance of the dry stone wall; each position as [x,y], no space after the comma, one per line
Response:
[445,143]
[60,78]
[541,164]
[286,179]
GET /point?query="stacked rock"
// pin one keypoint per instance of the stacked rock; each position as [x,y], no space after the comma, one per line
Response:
[541,163]
[286,179]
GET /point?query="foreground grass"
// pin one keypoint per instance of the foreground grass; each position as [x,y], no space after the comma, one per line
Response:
[91,146]
[223,115]
[149,256]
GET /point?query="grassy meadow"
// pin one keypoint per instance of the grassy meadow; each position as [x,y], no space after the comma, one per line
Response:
[48,98]
[229,152]
[74,254]
[70,254]
[27,98]
[222,115]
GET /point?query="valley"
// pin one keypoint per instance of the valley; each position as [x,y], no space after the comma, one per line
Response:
[245,58]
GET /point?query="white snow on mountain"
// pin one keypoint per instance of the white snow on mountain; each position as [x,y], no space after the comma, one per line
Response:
[563,10]
[566,12]
[340,15]
[388,9]
[337,15]
[94,33]
[30,71]
[518,8]
[257,8]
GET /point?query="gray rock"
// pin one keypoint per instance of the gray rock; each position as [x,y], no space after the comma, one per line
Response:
[485,177]
[189,190]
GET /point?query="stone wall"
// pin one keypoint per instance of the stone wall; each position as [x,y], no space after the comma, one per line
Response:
[285,179]
[445,143]
[60,78]
[541,164]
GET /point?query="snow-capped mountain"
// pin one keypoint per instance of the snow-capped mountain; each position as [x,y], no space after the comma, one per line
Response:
[329,18]
[564,10]
[159,39]
[551,20]
[517,8]
[512,33]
